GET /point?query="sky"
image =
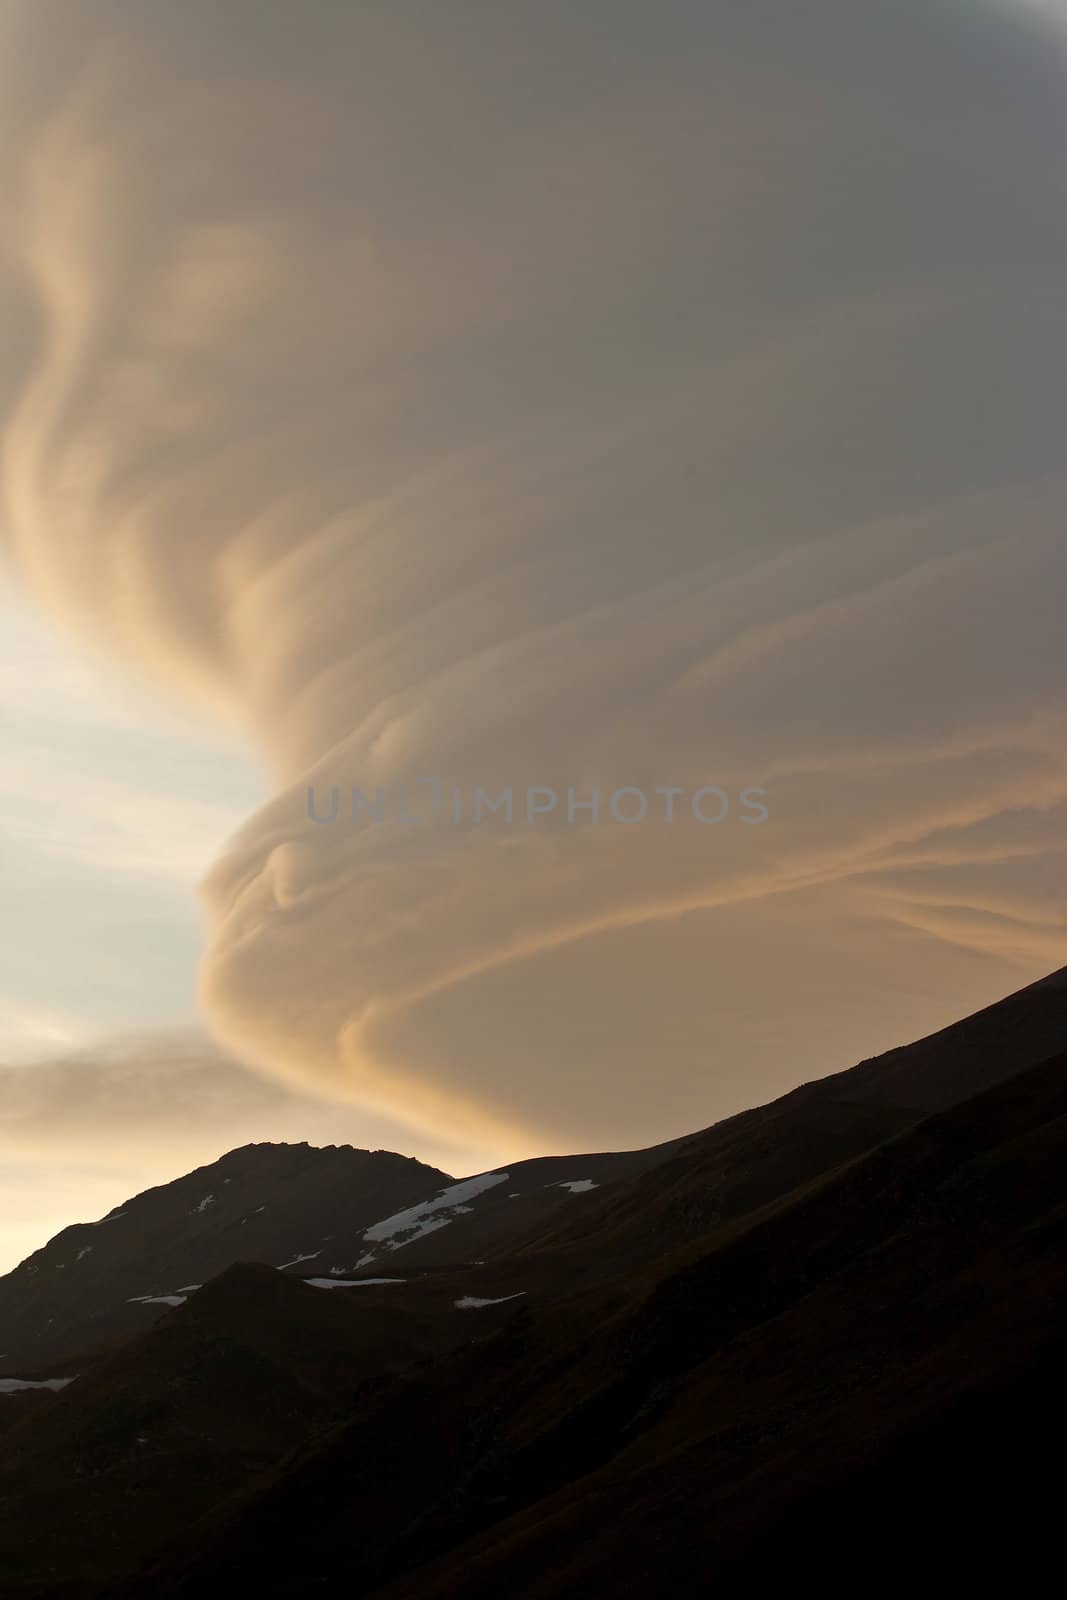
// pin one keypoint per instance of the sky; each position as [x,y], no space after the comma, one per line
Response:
[111,808]
[661,404]
[113,803]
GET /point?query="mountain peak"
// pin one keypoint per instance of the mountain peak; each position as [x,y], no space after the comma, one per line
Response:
[278,1204]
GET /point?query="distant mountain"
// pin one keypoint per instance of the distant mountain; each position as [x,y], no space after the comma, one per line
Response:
[612,1374]
[99,1281]
[332,1213]
[344,1213]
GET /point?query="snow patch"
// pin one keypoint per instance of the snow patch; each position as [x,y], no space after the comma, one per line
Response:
[309,1257]
[471,1302]
[575,1185]
[394,1232]
[177,1297]
[347,1283]
[16,1385]
[208,1200]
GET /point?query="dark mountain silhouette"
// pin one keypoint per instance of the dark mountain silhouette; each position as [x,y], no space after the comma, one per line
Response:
[659,1436]
[96,1282]
[312,1213]
[812,1340]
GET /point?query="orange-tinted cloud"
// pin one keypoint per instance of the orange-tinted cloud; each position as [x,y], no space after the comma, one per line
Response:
[647,397]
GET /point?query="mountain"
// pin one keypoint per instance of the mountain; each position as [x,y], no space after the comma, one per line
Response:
[343,1213]
[848,1376]
[597,1374]
[333,1214]
[100,1281]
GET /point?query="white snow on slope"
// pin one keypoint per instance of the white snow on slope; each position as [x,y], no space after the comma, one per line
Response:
[309,1257]
[15,1385]
[575,1185]
[177,1298]
[347,1283]
[471,1302]
[429,1215]
[208,1200]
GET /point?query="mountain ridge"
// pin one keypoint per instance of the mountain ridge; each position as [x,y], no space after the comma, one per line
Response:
[610,1373]
[326,1198]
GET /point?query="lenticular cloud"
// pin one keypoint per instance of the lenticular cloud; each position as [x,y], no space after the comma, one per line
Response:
[566,399]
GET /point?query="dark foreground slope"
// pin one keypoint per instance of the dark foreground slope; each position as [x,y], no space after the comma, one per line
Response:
[871,1361]
[218,1391]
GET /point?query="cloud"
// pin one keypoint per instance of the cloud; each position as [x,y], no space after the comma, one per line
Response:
[642,400]
[167,1092]
[82,1130]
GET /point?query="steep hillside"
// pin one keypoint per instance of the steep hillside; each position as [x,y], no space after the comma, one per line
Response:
[663,1436]
[738,1165]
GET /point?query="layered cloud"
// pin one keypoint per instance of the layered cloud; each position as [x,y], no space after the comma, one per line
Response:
[81,1131]
[566,398]
[165,1098]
